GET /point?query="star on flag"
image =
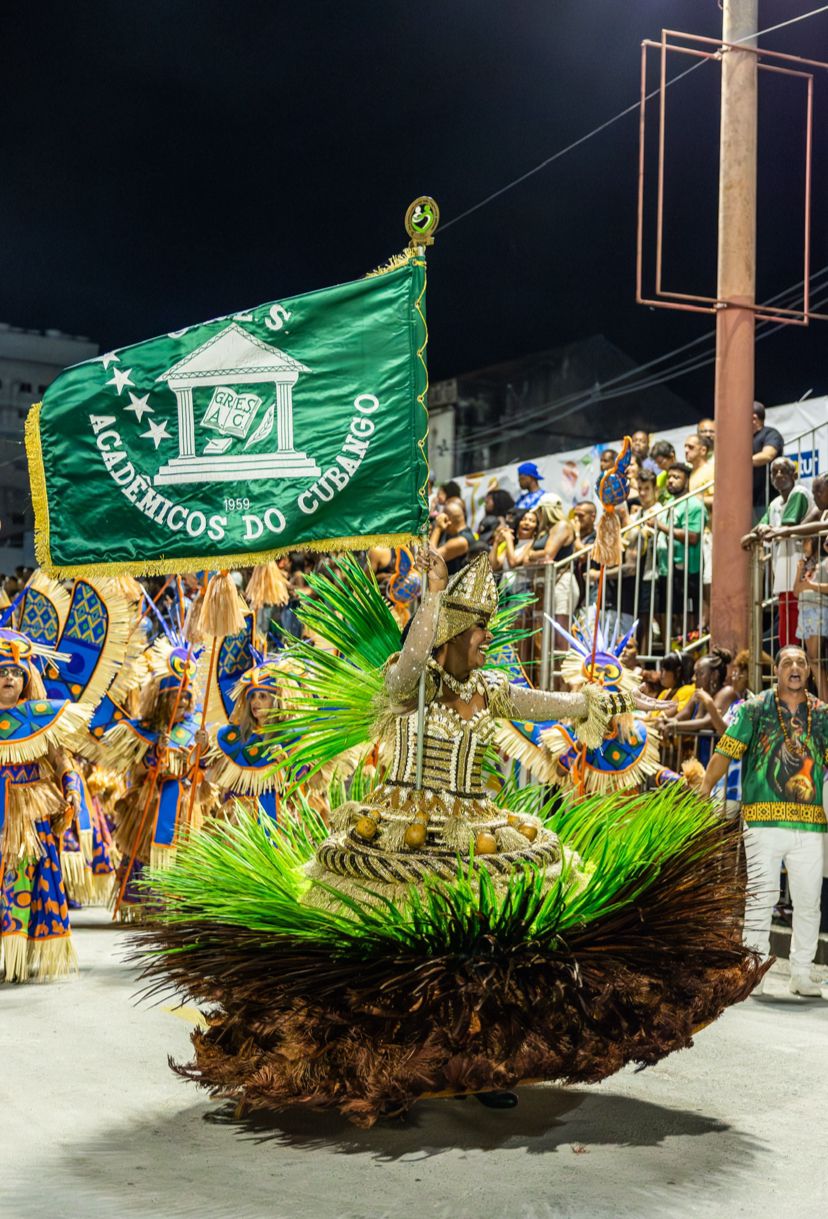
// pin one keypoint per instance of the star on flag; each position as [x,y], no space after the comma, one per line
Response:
[157,432]
[139,406]
[109,358]
[120,378]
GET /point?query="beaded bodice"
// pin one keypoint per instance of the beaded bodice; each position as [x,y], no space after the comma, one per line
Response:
[453,751]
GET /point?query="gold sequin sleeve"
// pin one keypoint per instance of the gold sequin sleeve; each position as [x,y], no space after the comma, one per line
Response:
[590,711]
[403,673]
[541,705]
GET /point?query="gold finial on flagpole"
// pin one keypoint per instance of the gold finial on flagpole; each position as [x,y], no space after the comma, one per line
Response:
[421,220]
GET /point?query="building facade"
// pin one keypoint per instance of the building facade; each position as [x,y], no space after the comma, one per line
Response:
[29,361]
[551,401]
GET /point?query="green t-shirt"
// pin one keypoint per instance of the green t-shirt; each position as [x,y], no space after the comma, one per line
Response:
[689,515]
[788,512]
[780,788]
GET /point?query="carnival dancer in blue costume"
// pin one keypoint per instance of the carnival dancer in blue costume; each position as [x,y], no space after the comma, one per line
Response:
[239,761]
[156,747]
[38,798]
[79,640]
[87,854]
[629,752]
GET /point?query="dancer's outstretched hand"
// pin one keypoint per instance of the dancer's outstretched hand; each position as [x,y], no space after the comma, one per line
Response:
[643,702]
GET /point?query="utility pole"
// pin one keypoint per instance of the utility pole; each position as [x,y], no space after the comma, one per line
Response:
[735,328]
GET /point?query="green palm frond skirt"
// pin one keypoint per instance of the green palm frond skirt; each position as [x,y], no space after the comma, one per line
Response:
[367,1003]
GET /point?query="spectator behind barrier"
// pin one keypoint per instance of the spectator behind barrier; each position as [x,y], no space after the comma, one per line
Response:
[512,551]
[683,565]
[529,478]
[559,545]
[640,552]
[709,703]
[767,446]
[663,454]
[674,677]
[495,506]
[447,491]
[707,429]
[451,536]
[640,444]
[811,590]
[789,507]
[583,520]
[698,456]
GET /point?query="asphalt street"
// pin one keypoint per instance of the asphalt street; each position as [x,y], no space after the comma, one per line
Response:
[97,1125]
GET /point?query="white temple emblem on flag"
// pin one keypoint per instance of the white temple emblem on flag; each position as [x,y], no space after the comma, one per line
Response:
[231,359]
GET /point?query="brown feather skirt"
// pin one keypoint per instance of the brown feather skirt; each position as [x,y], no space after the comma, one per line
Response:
[289,1025]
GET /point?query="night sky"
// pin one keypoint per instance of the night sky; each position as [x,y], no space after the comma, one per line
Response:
[163,163]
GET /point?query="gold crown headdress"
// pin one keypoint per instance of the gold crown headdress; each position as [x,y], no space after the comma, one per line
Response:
[469,596]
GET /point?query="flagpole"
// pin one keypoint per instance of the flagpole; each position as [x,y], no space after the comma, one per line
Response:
[421,219]
[194,775]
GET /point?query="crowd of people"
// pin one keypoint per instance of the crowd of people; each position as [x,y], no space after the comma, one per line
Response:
[701,684]
[663,583]
[663,572]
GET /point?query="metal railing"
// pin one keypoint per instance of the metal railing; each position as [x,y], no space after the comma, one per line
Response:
[778,614]
[781,616]
[669,600]
[654,585]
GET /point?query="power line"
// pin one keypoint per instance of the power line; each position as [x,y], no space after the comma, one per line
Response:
[626,383]
[791,21]
[615,118]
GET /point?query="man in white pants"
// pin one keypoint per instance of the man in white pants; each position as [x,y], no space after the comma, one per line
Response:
[782,740]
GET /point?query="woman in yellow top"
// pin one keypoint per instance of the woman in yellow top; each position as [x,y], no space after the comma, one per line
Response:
[675,675]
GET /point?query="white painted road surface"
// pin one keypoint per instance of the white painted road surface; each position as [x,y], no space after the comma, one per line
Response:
[96,1126]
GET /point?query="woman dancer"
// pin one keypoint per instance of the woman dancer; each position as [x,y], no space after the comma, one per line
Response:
[433,944]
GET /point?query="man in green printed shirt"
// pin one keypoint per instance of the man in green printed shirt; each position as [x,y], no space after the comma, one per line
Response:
[782,739]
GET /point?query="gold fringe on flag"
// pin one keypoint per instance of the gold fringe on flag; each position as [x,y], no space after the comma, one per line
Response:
[394,263]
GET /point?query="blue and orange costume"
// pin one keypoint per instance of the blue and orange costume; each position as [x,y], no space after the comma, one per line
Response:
[629,753]
[239,762]
[156,747]
[79,639]
[34,804]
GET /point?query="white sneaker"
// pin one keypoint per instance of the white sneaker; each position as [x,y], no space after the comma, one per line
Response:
[802,984]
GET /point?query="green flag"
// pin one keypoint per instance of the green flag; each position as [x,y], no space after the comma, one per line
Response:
[300,423]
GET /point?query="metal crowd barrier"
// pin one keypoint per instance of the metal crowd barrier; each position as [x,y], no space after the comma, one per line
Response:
[768,630]
[671,608]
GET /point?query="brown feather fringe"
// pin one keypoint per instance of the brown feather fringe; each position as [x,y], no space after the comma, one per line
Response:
[291,1025]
